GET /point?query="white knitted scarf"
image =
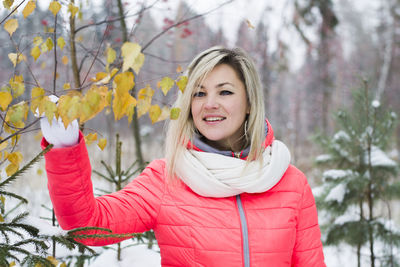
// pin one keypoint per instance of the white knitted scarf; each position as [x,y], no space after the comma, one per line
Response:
[214,175]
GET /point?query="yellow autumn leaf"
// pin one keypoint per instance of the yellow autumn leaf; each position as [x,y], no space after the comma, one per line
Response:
[35,52]
[61,42]
[175,113]
[5,100]
[166,84]
[100,76]
[17,85]
[249,24]
[93,102]
[69,108]
[72,9]
[53,260]
[11,26]
[179,69]
[49,110]
[90,138]
[146,93]
[37,92]
[111,55]
[143,105]
[122,105]
[63,264]
[39,172]
[3,145]
[132,57]
[181,83]
[123,82]
[17,114]
[66,86]
[139,61]
[154,113]
[15,157]
[54,7]
[1,218]
[16,58]
[12,264]
[64,60]
[8,3]
[29,8]
[102,143]
[49,44]
[37,95]
[165,113]
[37,40]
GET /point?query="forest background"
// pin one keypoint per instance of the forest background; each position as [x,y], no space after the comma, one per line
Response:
[311,55]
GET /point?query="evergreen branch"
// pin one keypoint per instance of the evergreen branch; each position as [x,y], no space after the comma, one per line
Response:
[132,165]
[14,208]
[104,236]
[26,167]
[109,170]
[103,176]
[40,245]
[34,260]
[5,235]
[5,193]
[7,228]
[84,229]
[20,217]
[103,191]
[31,230]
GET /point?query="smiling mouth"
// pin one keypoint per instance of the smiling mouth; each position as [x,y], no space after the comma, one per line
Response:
[213,119]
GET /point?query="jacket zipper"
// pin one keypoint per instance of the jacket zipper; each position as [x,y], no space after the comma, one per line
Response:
[245,234]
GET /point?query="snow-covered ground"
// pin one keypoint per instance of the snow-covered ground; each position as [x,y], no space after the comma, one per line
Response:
[134,254]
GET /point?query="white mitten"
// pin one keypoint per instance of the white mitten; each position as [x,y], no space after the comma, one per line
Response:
[56,133]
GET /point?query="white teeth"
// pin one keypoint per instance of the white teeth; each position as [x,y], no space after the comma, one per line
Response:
[214,119]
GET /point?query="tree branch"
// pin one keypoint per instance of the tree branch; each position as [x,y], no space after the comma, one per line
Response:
[181,22]
[12,12]
[114,20]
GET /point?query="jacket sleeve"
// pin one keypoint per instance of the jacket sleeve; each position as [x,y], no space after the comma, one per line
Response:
[308,246]
[130,210]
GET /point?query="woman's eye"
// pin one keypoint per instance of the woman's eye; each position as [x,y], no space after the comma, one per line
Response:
[226,92]
[198,94]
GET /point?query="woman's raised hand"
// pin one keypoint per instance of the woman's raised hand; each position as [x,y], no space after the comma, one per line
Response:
[56,134]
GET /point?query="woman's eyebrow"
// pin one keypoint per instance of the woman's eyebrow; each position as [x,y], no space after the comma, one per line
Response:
[225,83]
[218,85]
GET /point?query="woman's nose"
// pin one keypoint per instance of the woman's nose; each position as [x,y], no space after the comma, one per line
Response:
[211,102]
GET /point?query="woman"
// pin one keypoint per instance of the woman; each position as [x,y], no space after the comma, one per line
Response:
[225,195]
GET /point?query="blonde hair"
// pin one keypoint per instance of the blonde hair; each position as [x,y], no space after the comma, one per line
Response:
[181,131]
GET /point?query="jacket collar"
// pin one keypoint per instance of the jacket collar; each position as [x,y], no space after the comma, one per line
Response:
[199,145]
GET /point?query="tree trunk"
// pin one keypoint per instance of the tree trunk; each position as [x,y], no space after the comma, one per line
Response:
[135,119]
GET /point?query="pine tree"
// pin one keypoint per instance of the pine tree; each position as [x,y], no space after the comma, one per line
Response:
[118,178]
[361,181]
[21,241]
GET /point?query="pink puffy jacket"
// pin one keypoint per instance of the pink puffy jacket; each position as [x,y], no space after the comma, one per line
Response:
[276,228]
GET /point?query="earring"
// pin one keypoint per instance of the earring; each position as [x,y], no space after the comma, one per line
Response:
[245,129]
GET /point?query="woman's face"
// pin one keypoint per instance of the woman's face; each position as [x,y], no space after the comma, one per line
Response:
[219,108]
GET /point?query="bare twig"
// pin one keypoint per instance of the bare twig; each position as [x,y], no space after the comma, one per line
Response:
[114,20]
[97,53]
[182,22]
[12,12]
[20,131]
[55,55]
[166,60]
